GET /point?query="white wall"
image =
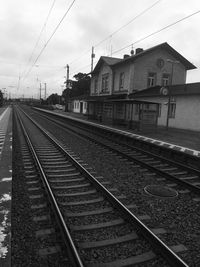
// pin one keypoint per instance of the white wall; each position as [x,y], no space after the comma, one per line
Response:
[76,106]
[187,114]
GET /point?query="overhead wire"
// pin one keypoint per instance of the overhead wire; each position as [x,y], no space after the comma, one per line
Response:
[153,33]
[117,30]
[129,22]
[113,33]
[158,31]
[45,45]
[36,44]
[41,32]
[83,67]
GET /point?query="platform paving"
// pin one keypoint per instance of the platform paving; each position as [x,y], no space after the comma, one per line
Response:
[5,185]
[175,137]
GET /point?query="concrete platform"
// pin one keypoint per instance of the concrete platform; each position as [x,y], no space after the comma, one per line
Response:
[5,185]
[185,141]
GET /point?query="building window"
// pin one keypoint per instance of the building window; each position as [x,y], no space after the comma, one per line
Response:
[165,79]
[151,81]
[121,81]
[95,85]
[172,110]
[105,81]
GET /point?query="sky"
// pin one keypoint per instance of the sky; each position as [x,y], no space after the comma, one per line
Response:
[39,38]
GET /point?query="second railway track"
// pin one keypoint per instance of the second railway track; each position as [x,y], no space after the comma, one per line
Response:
[177,172]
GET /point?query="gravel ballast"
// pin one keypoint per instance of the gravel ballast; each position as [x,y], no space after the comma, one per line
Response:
[179,215]
[25,245]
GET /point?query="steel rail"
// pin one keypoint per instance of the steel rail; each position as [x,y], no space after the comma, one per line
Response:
[115,131]
[192,169]
[171,257]
[188,168]
[171,177]
[72,251]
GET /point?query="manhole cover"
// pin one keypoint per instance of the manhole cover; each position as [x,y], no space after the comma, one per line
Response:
[160,191]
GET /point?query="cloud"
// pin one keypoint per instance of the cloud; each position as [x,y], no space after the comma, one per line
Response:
[87,23]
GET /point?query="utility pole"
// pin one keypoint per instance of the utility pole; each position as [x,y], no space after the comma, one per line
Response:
[173,62]
[111,50]
[18,86]
[45,91]
[92,58]
[67,76]
[40,91]
[4,94]
[67,89]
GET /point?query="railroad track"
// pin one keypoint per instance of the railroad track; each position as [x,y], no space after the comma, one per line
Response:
[182,175]
[172,152]
[101,230]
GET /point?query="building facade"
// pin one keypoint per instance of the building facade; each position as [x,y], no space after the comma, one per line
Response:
[160,67]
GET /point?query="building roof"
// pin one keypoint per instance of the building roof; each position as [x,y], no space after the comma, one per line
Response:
[178,89]
[110,61]
[165,46]
[79,97]
[122,98]
[117,61]
[130,101]
[103,98]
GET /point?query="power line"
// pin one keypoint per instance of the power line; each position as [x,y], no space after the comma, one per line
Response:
[83,67]
[84,53]
[116,31]
[39,37]
[119,29]
[42,50]
[153,33]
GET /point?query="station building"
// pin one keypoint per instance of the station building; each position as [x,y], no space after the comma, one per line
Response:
[138,89]
[79,104]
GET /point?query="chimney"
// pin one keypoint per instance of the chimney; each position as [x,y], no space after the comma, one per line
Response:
[126,56]
[132,52]
[138,50]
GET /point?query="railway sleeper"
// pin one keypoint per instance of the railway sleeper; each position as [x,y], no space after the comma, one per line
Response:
[94,244]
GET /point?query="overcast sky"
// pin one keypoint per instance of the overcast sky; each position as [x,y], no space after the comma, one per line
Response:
[87,24]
